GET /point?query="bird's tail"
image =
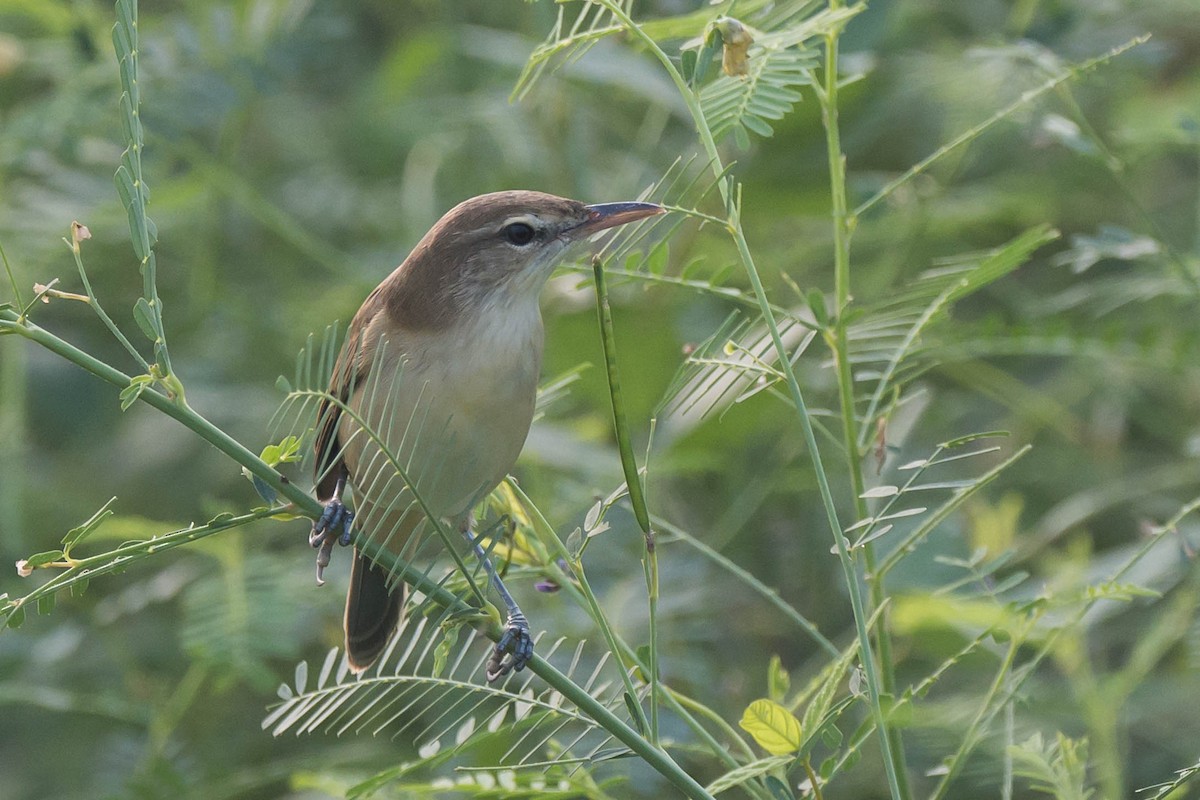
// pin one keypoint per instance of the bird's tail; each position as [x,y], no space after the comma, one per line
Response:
[372,612]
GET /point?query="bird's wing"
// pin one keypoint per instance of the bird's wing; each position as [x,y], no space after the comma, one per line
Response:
[350,370]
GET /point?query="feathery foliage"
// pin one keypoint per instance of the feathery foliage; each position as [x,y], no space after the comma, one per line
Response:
[838,339]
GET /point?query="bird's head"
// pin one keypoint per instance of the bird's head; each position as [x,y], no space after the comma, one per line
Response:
[501,247]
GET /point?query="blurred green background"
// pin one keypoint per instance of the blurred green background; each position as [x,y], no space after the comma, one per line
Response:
[296,149]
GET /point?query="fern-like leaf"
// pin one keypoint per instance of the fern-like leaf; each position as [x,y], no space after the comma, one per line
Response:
[743,105]
[430,687]
[735,363]
[885,345]
[576,30]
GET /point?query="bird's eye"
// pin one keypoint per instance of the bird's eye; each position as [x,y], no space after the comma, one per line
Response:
[518,233]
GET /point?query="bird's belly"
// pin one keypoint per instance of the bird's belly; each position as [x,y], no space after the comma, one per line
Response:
[445,425]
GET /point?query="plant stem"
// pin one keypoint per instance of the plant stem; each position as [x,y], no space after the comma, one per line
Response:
[13,422]
[633,483]
[94,302]
[958,760]
[770,594]
[1116,169]
[593,604]
[735,230]
[651,754]
[843,225]
[677,702]
[180,412]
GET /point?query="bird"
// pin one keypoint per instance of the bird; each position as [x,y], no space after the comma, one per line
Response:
[432,396]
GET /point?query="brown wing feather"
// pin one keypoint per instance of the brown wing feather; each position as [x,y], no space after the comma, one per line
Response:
[349,370]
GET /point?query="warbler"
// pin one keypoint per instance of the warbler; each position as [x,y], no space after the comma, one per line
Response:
[432,395]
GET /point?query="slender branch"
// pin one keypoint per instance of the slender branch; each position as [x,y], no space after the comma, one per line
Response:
[94,302]
[304,503]
[633,482]
[843,226]
[850,574]
[307,505]
[12,279]
[770,594]
[593,604]
[974,132]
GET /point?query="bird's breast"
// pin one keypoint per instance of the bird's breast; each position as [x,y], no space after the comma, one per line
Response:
[454,408]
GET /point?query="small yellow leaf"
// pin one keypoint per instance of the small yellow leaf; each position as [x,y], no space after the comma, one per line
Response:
[774,727]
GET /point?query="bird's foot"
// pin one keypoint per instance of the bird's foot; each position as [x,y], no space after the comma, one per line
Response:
[513,651]
[332,527]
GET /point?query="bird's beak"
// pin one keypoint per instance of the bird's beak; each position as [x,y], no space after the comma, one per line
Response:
[609,215]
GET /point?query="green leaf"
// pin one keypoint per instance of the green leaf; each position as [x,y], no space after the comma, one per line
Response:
[831,735]
[656,262]
[704,59]
[16,618]
[779,790]
[133,391]
[687,65]
[778,680]
[220,520]
[45,604]
[144,317]
[756,125]
[77,535]
[287,451]
[961,440]
[634,712]
[42,559]
[746,772]
[774,727]
[643,656]
[264,489]
[301,676]
[442,652]
[575,542]
[741,138]
[816,304]
[768,91]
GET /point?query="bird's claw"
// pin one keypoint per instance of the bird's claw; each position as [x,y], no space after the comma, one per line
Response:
[513,651]
[335,519]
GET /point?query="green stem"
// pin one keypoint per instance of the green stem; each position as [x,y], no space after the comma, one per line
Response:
[652,755]
[958,760]
[677,702]
[812,779]
[976,131]
[716,719]
[754,583]
[734,227]
[853,584]
[180,412]
[1049,644]
[1116,169]
[633,483]
[843,226]
[659,759]
[12,279]
[13,427]
[94,302]
[593,604]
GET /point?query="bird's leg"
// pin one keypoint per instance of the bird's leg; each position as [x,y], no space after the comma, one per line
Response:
[516,640]
[332,526]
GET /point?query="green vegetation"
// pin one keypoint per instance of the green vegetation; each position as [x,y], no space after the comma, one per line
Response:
[876,474]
